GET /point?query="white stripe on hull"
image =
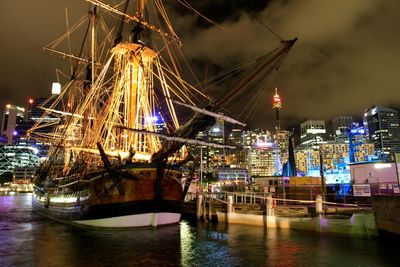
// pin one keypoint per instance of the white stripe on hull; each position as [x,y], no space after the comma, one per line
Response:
[137,220]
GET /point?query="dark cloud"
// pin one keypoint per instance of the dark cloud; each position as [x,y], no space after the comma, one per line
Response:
[222,10]
[346,59]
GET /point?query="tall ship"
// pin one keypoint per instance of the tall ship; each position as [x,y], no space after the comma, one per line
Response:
[117,143]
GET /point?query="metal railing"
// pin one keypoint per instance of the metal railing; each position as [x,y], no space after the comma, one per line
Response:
[261,198]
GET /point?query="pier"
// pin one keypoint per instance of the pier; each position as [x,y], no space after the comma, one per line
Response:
[265,210]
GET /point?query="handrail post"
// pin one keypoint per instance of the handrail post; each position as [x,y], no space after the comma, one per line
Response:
[269,205]
[210,209]
[199,206]
[230,204]
[318,204]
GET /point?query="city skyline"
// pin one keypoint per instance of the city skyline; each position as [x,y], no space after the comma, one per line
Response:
[344,61]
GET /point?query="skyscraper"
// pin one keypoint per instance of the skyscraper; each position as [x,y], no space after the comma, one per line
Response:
[277,105]
[341,126]
[12,116]
[236,157]
[342,122]
[382,125]
[312,132]
[262,159]
[212,157]
[282,141]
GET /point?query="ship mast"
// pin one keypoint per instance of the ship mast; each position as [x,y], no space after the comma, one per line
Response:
[93,45]
[140,8]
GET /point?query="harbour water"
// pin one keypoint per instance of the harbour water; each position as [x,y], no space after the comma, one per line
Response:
[27,239]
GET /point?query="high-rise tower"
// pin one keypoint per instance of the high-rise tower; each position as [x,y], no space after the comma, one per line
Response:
[12,117]
[277,105]
[382,126]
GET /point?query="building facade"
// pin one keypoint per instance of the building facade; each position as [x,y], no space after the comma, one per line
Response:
[12,117]
[262,159]
[19,157]
[382,126]
[312,132]
[341,126]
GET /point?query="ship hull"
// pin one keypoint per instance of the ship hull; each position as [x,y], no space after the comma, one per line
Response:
[118,218]
[152,201]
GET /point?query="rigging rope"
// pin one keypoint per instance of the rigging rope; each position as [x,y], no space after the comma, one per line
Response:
[187,5]
[268,28]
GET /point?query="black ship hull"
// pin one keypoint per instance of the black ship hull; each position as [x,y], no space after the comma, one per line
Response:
[150,201]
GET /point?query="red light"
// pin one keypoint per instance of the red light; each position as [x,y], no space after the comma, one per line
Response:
[30,101]
[276,100]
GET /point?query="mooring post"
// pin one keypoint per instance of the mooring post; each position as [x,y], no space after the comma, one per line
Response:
[318,204]
[199,206]
[269,205]
[210,209]
[230,204]
[205,207]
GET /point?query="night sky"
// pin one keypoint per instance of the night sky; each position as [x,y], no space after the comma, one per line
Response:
[347,57]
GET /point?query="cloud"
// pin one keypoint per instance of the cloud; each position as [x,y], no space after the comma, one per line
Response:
[345,60]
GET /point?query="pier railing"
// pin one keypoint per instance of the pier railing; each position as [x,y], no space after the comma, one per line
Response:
[264,203]
[260,198]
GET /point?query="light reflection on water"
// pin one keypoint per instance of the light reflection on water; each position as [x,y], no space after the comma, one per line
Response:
[29,240]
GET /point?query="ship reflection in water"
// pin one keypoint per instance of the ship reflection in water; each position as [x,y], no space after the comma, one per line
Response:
[30,240]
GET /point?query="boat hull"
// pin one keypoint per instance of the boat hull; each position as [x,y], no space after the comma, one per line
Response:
[150,201]
[119,218]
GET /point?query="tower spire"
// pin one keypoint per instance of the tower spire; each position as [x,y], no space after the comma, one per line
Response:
[277,105]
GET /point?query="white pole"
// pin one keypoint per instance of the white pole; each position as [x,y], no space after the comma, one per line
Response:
[201,168]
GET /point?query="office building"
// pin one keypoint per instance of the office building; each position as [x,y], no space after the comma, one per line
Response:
[262,159]
[312,132]
[341,126]
[382,127]
[12,117]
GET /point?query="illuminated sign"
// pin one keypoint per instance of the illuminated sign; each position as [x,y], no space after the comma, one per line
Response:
[216,130]
[362,190]
[382,165]
[316,131]
[264,144]
[358,131]
[56,88]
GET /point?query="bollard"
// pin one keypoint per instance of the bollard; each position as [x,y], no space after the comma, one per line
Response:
[269,205]
[318,204]
[199,206]
[210,209]
[230,204]
[204,213]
